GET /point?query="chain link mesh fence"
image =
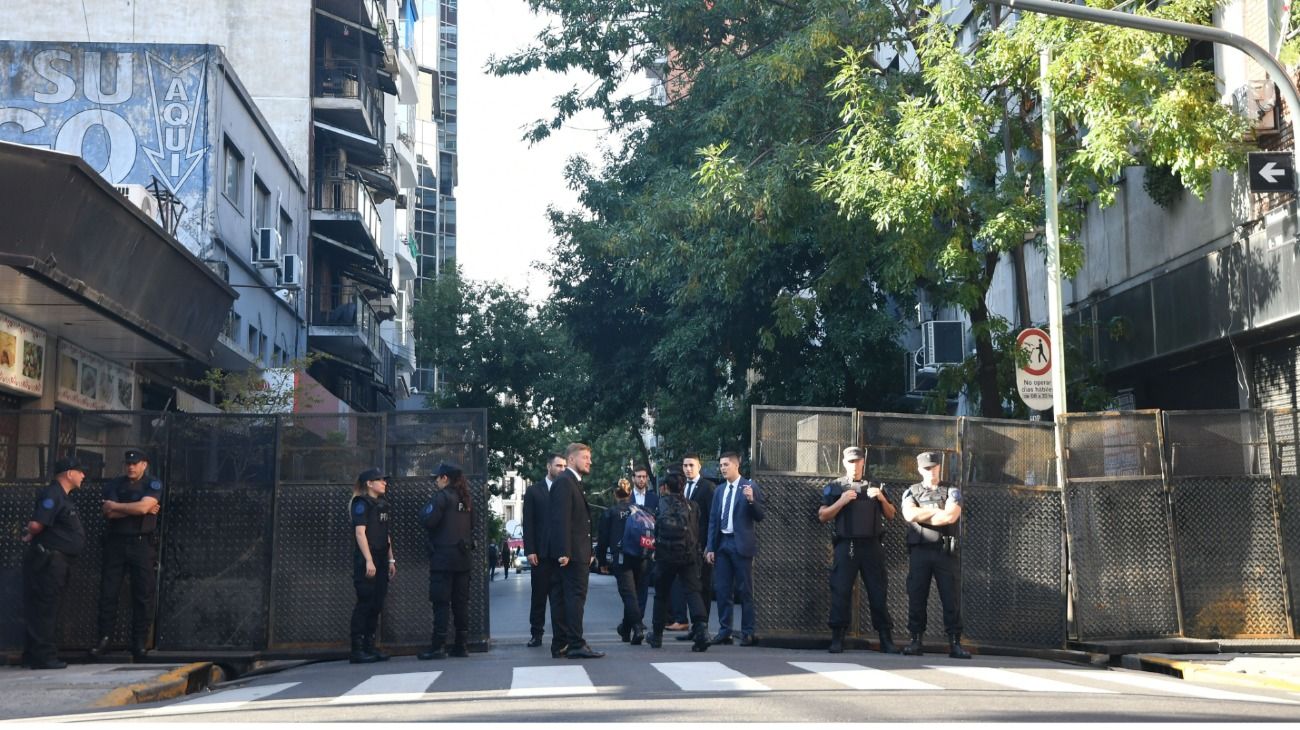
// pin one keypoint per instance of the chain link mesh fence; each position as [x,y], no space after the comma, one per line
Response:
[1284,434]
[801,441]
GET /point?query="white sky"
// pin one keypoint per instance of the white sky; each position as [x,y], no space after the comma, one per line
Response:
[505,186]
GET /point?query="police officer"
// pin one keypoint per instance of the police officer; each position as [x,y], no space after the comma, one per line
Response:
[933,515]
[54,538]
[858,510]
[131,503]
[373,562]
[448,525]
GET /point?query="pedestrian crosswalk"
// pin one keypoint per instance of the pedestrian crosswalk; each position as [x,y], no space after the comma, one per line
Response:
[569,679]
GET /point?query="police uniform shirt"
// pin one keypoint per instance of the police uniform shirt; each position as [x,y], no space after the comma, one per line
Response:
[122,489]
[937,497]
[860,518]
[372,514]
[63,531]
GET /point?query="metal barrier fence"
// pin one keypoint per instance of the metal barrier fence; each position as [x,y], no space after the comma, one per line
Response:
[1167,524]
[254,537]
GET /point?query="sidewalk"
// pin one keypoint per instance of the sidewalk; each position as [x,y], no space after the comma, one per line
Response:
[33,693]
[1271,671]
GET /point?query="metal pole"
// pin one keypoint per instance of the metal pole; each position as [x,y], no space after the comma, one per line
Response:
[1055,317]
[1172,27]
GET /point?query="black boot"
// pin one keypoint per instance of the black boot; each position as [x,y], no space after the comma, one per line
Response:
[370,648]
[656,638]
[701,635]
[624,632]
[100,648]
[638,634]
[461,648]
[837,641]
[955,649]
[887,645]
[359,653]
[535,641]
[914,648]
[437,648]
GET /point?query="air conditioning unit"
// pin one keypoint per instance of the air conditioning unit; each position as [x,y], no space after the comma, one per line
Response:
[942,343]
[291,271]
[268,247]
[140,197]
[1262,107]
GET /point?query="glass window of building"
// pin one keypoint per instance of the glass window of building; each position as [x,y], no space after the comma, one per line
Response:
[234,169]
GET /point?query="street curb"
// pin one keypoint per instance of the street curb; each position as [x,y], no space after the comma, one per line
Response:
[169,685]
[1193,670]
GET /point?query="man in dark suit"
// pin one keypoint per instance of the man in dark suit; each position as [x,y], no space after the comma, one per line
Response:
[537,529]
[570,549]
[732,545]
[700,491]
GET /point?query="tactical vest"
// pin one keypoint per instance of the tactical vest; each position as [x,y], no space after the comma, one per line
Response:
[932,498]
[122,489]
[860,518]
[451,540]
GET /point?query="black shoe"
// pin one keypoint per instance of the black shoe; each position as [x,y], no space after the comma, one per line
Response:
[837,641]
[721,638]
[701,637]
[459,650]
[749,640]
[100,648]
[655,640]
[914,648]
[584,652]
[370,648]
[955,649]
[638,635]
[535,642]
[887,645]
[49,664]
[359,654]
[558,653]
[433,653]
[624,633]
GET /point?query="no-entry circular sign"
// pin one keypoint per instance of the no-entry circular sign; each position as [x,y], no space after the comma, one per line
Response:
[1034,378]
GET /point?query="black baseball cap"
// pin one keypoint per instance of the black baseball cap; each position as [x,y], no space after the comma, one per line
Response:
[134,456]
[445,470]
[69,463]
[370,475]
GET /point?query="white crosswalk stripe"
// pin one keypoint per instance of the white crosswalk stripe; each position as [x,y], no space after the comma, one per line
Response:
[708,677]
[1172,686]
[406,687]
[857,676]
[1017,680]
[550,681]
[222,701]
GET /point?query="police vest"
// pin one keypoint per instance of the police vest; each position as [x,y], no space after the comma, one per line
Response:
[449,528]
[122,489]
[860,518]
[373,515]
[929,498]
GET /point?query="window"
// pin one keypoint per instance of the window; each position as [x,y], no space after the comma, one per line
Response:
[261,204]
[286,231]
[253,342]
[234,182]
[261,349]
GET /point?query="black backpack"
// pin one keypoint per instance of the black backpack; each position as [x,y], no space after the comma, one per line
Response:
[675,539]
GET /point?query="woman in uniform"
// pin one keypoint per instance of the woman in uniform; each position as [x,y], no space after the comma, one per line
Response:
[448,527]
[626,565]
[373,562]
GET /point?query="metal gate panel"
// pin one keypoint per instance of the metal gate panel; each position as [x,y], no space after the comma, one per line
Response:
[312,594]
[17,498]
[792,568]
[798,441]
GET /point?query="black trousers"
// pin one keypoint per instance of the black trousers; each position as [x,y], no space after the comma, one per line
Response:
[630,577]
[568,593]
[449,592]
[679,612]
[371,593]
[127,556]
[45,573]
[926,562]
[688,576]
[859,557]
[540,575]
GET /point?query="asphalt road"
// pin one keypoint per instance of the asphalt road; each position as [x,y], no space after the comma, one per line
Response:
[512,683]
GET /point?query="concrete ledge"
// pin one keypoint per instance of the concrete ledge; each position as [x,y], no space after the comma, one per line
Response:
[1206,673]
[176,683]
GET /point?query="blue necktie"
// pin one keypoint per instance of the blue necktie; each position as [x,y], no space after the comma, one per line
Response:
[726,506]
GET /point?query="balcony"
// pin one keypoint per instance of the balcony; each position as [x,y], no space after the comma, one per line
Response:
[345,325]
[346,99]
[342,209]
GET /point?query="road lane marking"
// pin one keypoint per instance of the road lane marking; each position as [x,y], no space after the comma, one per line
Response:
[222,701]
[1173,686]
[549,681]
[708,677]
[857,676]
[1017,680]
[405,687]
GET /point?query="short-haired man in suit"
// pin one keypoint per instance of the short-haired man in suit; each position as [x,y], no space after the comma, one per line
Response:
[570,548]
[733,543]
[537,528]
[700,491]
[647,497]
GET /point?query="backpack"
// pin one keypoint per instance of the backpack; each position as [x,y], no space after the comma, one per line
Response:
[675,529]
[638,532]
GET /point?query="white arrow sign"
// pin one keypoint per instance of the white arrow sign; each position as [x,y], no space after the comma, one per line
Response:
[1271,172]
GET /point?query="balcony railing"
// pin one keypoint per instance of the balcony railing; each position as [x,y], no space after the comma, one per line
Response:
[345,79]
[344,306]
[346,194]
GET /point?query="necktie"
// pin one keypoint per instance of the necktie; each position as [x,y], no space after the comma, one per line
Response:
[726,505]
[690,489]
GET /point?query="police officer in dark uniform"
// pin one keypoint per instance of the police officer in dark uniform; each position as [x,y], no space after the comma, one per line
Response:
[373,562]
[858,509]
[54,538]
[449,527]
[933,514]
[131,504]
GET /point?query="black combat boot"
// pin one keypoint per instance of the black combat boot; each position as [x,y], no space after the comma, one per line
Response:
[624,632]
[887,645]
[701,635]
[656,638]
[914,648]
[837,641]
[100,648]
[638,634]
[359,653]
[437,648]
[955,649]
[370,648]
[461,648]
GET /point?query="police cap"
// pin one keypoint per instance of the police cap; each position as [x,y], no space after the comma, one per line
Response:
[370,475]
[134,456]
[927,459]
[446,470]
[854,453]
[69,463]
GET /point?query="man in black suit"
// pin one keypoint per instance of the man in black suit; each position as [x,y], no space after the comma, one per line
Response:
[570,549]
[537,529]
[700,491]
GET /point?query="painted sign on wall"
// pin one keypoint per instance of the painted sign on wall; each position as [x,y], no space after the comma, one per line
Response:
[134,112]
[92,383]
[22,357]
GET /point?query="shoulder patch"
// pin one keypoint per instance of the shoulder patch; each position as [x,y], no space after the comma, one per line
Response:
[360,507]
[155,485]
[428,508]
[48,503]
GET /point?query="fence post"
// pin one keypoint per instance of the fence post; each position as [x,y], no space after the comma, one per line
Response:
[1165,481]
[1275,484]
[277,456]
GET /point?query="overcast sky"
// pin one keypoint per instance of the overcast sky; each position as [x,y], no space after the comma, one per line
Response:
[505,185]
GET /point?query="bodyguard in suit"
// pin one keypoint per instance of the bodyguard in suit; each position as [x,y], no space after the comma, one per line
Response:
[537,528]
[732,545]
[642,495]
[570,549]
[700,491]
